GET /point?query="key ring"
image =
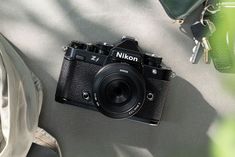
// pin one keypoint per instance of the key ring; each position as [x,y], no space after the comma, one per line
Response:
[208,8]
[213,9]
[181,21]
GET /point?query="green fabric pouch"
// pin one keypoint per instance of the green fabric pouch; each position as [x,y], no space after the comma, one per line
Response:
[222,41]
[179,9]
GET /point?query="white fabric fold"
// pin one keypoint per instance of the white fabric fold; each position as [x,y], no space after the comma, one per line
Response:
[20,103]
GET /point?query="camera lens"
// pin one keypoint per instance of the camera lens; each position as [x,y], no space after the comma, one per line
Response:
[119,90]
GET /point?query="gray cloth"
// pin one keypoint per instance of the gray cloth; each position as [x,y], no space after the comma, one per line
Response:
[20,105]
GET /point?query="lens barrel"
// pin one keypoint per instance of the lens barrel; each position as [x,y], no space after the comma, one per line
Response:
[118,90]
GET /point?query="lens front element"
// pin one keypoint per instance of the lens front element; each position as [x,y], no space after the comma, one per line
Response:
[118,92]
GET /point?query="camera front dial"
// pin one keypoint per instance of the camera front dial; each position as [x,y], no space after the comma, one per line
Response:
[118,90]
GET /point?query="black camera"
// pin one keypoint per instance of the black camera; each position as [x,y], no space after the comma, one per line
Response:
[118,80]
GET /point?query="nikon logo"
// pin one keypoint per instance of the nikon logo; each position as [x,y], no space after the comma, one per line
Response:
[126,56]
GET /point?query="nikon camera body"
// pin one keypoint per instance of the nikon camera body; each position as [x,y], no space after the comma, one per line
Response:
[118,80]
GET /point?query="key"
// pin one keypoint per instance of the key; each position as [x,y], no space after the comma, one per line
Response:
[198,31]
[205,43]
[196,49]
[201,31]
[207,48]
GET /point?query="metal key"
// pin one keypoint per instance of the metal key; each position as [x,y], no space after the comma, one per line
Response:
[207,47]
[201,31]
[205,43]
[198,31]
[196,49]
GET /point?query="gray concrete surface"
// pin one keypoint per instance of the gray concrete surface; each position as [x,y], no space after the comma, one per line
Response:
[198,95]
